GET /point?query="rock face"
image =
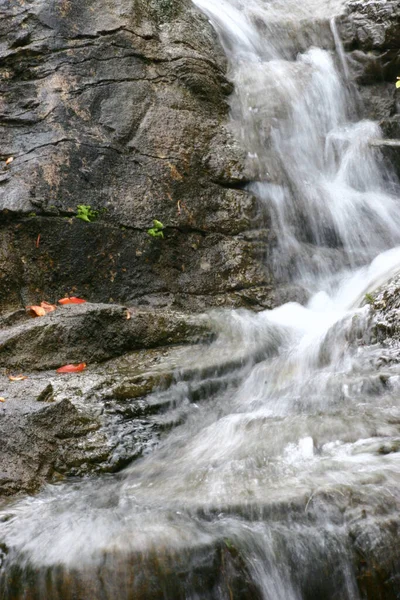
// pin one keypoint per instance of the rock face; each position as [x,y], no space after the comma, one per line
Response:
[121,107]
[91,333]
[53,425]
[385,330]
[371,35]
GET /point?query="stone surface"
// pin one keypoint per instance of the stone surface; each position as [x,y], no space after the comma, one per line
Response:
[99,420]
[385,306]
[92,333]
[122,107]
[52,425]
[371,35]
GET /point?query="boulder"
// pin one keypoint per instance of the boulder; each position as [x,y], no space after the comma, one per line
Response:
[51,424]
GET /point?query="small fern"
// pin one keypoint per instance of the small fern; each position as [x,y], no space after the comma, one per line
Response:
[157,230]
[86,213]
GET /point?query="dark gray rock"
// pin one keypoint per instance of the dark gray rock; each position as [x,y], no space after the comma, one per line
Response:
[93,333]
[97,421]
[370,32]
[372,25]
[390,150]
[120,107]
[52,425]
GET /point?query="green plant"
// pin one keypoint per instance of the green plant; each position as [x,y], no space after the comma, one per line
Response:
[86,213]
[157,230]
[369,299]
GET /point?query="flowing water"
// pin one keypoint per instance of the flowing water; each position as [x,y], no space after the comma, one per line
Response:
[290,468]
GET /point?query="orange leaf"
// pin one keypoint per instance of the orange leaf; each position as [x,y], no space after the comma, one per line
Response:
[17,377]
[9,160]
[72,368]
[71,300]
[2,399]
[48,307]
[36,311]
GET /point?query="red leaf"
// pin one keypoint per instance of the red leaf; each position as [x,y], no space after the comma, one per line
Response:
[72,368]
[72,300]
[36,311]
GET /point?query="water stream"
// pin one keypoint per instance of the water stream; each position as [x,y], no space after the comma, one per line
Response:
[283,467]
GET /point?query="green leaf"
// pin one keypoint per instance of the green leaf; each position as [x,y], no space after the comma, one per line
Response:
[369,299]
[158,224]
[83,217]
[85,213]
[156,233]
[398,84]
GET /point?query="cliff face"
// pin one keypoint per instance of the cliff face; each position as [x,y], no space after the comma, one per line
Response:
[371,35]
[120,106]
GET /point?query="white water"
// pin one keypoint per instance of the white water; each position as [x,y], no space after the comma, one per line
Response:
[301,423]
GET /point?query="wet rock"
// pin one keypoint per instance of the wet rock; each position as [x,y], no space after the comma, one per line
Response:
[359,558]
[97,421]
[214,571]
[390,150]
[371,35]
[120,108]
[377,551]
[93,333]
[372,25]
[385,309]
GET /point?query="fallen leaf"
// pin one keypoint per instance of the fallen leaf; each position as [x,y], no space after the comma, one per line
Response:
[2,399]
[38,241]
[128,315]
[17,377]
[9,160]
[72,368]
[48,307]
[71,300]
[36,311]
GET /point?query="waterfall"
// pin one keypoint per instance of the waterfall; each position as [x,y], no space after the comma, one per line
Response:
[331,205]
[284,463]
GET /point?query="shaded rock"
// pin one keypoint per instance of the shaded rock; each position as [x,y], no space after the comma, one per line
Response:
[122,108]
[97,421]
[105,263]
[206,570]
[370,32]
[390,150]
[371,25]
[93,333]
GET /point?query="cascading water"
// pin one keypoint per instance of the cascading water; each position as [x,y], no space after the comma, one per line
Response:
[319,178]
[281,469]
